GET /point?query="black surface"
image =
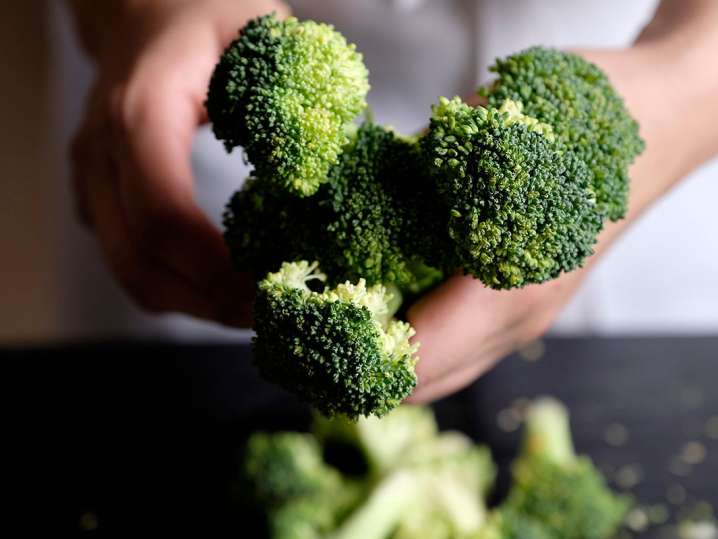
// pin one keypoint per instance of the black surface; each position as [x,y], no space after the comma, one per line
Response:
[146,437]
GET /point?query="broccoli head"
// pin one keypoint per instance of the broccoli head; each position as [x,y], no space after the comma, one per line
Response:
[339,349]
[586,114]
[287,91]
[380,443]
[520,211]
[554,486]
[264,227]
[301,496]
[435,492]
[373,219]
[505,523]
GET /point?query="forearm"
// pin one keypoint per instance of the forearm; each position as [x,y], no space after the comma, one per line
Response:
[669,86]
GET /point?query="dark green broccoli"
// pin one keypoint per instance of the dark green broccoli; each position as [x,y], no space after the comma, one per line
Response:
[520,211]
[554,486]
[300,495]
[373,218]
[287,91]
[586,114]
[263,227]
[338,349]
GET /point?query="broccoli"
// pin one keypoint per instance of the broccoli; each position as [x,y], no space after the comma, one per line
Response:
[338,349]
[379,444]
[301,496]
[585,112]
[520,210]
[514,193]
[435,492]
[372,219]
[287,91]
[552,485]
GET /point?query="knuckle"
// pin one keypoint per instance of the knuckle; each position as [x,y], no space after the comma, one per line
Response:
[130,104]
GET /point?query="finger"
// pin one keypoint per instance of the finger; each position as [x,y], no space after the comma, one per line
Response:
[157,190]
[151,286]
[476,100]
[463,319]
[452,382]
[157,187]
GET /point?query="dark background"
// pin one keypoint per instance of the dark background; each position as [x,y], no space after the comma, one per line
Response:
[121,440]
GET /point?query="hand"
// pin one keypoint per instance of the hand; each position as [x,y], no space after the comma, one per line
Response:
[464,328]
[131,156]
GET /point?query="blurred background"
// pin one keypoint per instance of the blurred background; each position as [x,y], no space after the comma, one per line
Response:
[660,278]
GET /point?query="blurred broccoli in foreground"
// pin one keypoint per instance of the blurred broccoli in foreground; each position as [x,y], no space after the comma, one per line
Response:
[554,486]
[418,483]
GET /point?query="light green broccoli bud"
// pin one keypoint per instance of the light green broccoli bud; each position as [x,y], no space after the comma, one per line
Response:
[288,91]
[338,349]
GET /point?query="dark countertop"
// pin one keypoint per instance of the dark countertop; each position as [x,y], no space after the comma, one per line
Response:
[143,438]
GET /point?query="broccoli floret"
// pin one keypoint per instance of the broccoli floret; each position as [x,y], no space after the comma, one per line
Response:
[302,497]
[381,221]
[505,523]
[286,465]
[586,114]
[554,486]
[520,211]
[338,349]
[263,227]
[373,219]
[380,443]
[287,91]
[436,492]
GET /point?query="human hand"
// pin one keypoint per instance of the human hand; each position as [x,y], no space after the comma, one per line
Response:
[131,156]
[464,327]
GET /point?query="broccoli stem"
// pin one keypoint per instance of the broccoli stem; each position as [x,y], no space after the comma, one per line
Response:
[548,432]
[390,501]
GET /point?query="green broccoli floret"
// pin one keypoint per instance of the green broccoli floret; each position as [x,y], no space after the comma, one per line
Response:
[264,227]
[285,465]
[380,443]
[373,219]
[287,91]
[379,211]
[505,523]
[301,496]
[554,486]
[520,211]
[338,349]
[435,492]
[586,114]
